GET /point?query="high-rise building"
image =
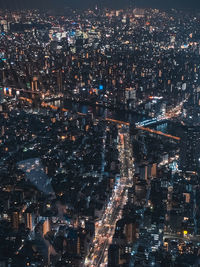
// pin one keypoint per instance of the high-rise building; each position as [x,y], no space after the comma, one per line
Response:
[15,220]
[190,149]
[34,84]
[113,256]
[130,232]
[46,227]
[29,219]
[143,172]
[154,170]
[5,25]
[59,80]
[1,95]
[190,138]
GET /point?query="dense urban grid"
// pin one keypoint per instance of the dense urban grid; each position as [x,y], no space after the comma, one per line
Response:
[100,138]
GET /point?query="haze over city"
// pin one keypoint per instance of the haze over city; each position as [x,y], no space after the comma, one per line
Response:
[99,133]
[46,4]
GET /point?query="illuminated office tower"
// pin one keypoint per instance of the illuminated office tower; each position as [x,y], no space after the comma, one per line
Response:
[113,255]
[130,231]
[59,80]
[46,227]
[190,136]
[154,170]
[1,95]
[15,220]
[34,84]
[5,25]
[190,149]
[29,219]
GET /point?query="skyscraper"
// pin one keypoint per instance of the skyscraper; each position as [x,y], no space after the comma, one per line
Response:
[190,149]
[190,137]
[15,220]
[113,255]
[1,95]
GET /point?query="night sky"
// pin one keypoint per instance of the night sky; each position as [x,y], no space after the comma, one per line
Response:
[13,4]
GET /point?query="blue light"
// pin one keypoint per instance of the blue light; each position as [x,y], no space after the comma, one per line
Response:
[72,33]
[100,87]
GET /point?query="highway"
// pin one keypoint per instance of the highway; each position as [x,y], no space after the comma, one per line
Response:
[187,238]
[105,227]
[158,132]
[145,129]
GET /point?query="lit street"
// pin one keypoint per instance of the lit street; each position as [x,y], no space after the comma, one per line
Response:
[105,227]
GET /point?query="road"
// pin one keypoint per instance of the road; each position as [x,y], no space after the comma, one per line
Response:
[105,227]
[187,238]
[172,113]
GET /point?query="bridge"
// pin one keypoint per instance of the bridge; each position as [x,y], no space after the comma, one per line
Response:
[43,104]
[187,238]
[174,112]
[140,125]
[159,133]
[145,129]
[150,121]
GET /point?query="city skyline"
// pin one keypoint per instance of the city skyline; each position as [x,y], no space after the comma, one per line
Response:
[48,4]
[99,136]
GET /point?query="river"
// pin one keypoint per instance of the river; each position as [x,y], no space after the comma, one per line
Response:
[122,115]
